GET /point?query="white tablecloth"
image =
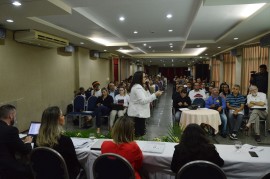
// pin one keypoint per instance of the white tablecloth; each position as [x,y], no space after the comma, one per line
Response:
[207,116]
[237,164]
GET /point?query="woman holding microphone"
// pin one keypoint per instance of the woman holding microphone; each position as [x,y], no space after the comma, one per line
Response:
[139,104]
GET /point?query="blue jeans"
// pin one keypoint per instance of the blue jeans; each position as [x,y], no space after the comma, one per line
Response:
[223,118]
[100,111]
[235,121]
[177,116]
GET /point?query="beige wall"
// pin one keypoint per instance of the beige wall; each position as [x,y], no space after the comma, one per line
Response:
[33,78]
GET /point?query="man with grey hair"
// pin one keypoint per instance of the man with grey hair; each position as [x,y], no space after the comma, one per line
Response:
[10,143]
[257,103]
[235,103]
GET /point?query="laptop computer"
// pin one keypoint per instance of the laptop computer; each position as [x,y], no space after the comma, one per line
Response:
[97,144]
[34,128]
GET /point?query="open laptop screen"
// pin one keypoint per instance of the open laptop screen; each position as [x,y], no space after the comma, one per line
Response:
[34,128]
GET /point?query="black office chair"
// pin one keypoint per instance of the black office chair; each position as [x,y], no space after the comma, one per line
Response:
[47,163]
[266,176]
[111,165]
[200,169]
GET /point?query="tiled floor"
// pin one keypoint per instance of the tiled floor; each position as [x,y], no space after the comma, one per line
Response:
[161,119]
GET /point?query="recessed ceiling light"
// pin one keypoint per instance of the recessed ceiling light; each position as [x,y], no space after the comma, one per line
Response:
[170,43]
[206,54]
[169,16]
[235,38]
[218,47]
[81,43]
[150,47]
[105,50]
[170,30]
[16,3]
[171,50]
[144,44]
[171,46]
[172,60]
[135,32]
[10,20]
[198,46]
[121,18]
[200,57]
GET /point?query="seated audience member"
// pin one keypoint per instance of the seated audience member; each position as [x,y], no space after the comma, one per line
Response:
[96,90]
[235,103]
[112,89]
[123,144]
[50,135]
[203,87]
[121,100]
[194,145]
[196,93]
[257,103]
[189,87]
[180,101]
[81,92]
[218,103]
[104,103]
[225,91]
[10,143]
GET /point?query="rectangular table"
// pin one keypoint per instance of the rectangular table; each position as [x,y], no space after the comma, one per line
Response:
[236,165]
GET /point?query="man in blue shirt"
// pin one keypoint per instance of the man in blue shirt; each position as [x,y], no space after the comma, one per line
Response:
[235,103]
[218,103]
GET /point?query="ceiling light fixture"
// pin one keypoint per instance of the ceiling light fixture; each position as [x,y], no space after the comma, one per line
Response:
[10,20]
[206,54]
[16,3]
[218,47]
[198,46]
[144,44]
[171,50]
[250,9]
[135,32]
[150,47]
[171,46]
[81,43]
[170,43]
[121,18]
[105,50]
[235,38]
[169,16]
[170,30]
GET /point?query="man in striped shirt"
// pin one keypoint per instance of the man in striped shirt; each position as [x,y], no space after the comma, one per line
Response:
[235,103]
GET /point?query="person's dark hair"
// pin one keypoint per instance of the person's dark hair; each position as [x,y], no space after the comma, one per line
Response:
[194,138]
[137,79]
[5,110]
[183,91]
[222,91]
[263,66]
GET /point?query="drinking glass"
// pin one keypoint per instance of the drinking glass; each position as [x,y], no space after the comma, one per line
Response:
[238,145]
[92,137]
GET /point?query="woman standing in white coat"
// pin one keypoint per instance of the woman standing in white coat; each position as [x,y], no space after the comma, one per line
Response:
[139,104]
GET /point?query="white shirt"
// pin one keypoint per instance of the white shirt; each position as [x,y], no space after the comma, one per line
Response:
[139,103]
[119,97]
[260,97]
[96,93]
[196,94]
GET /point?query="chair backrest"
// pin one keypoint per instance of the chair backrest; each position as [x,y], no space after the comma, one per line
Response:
[266,176]
[200,169]
[78,104]
[111,165]
[47,163]
[91,103]
[199,101]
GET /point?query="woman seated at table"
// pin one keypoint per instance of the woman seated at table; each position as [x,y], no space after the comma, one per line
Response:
[120,105]
[123,143]
[104,103]
[50,135]
[180,100]
[194,145]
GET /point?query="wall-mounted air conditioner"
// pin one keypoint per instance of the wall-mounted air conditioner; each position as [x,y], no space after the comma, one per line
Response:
[34,37]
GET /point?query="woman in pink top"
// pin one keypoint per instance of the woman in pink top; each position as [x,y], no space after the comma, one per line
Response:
[123,143]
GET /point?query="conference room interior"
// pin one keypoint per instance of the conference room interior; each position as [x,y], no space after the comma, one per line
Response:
[33,77]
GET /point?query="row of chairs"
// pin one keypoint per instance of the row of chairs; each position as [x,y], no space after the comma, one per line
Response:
[44,159]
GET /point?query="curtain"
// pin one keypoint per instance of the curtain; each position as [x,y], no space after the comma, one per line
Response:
[215,75]
[229,71]
[253,56]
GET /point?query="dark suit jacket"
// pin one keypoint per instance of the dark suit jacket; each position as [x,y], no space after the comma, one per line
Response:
[66,148]
[182,156]
[10,143]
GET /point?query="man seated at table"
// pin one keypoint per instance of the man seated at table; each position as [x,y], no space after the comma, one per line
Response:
[235,103]
[257,103]
[10,143]
[218,103]
[196,92]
